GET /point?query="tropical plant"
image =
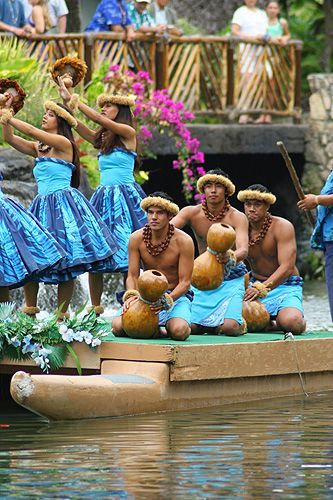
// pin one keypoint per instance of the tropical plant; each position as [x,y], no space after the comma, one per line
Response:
[46,341]
[31,74]
[157,114]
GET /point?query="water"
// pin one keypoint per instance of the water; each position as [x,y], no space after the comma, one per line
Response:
[316,307]
[281,448]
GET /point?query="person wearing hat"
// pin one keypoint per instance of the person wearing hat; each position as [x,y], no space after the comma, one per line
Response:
[118,197]
[159,245]
[61,209]
[275,278]
[220,310]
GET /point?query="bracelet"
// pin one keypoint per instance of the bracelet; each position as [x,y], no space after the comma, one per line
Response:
[6,115]
[130,293]
[73,103]
[261,288]
[167,302]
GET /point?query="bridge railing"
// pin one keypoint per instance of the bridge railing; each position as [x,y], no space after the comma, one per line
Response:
[211,74]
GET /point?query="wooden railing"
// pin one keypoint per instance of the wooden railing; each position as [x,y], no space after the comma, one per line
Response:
[211,75]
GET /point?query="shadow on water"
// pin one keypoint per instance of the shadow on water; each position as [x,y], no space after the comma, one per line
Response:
[259,449]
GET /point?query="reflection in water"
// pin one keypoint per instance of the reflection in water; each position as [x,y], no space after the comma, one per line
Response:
[281,447]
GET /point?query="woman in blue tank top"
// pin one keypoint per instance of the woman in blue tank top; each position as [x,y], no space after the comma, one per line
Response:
[118,197]
[59,206]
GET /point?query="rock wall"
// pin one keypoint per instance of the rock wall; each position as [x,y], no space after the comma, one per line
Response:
[319,137]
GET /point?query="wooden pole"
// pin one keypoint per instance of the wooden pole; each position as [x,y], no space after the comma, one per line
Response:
[294,178]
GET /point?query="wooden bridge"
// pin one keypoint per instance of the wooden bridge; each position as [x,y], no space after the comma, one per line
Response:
[211,75]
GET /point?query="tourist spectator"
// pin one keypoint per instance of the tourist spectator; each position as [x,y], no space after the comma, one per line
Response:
[142,19]
[165,16]
[39,20]
[250,24]
[58,12]
[278,29]
[112,15]
[278,34]
[12,17]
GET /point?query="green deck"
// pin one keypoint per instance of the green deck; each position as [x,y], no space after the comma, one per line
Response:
[222,339]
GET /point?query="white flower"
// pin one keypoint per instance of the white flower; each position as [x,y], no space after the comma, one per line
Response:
[62,329]
[68,335]
[96,342]
[79,336]
[88,338]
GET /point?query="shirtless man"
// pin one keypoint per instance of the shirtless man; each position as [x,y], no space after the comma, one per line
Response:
[272,255]
[220,310]
[160,246]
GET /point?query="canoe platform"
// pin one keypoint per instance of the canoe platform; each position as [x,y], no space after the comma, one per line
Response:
[125,376]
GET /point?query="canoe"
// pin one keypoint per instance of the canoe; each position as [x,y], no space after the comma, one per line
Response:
[146,376]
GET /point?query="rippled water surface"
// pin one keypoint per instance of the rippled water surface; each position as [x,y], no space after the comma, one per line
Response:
[316,308]
[281,448]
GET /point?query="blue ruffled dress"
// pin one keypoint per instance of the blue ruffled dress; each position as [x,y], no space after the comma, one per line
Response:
[26,248]
[72,221]
[117,200]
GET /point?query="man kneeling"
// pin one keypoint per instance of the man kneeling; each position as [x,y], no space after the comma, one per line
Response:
[275,279]
[159,245]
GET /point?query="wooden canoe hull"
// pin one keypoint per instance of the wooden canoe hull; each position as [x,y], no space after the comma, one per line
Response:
[141,378]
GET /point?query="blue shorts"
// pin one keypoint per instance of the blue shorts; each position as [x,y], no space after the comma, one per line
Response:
[211,307]
[181,309]
[284,296]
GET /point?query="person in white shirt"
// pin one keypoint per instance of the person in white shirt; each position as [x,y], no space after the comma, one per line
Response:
[250,24]
[165,17]
[58,14]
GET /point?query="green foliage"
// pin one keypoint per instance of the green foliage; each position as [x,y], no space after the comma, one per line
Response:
[314,267]
[47,342]
[188,28]
[31,74]
[306,20]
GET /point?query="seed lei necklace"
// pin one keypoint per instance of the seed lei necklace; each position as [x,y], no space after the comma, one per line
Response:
[155,250]
[218,216]
[263,231]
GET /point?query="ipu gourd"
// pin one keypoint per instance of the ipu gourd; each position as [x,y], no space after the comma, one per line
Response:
[139,321]
[254,312]
[208,273]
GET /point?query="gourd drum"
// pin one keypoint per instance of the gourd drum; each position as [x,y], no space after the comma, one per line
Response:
[256,315]
[208,273]
[139,321]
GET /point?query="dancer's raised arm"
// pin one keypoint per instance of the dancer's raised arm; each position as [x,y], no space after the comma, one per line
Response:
[105,118]
[61,144]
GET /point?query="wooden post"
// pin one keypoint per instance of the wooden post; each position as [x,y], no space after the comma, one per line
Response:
[298,81]
[230,73]
[162,65]
[88,55]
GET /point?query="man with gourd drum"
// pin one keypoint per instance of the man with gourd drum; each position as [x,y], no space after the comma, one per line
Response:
[162,247]
[218,310]
[275,278]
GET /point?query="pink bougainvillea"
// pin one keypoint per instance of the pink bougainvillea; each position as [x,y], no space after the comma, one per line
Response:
[155,111]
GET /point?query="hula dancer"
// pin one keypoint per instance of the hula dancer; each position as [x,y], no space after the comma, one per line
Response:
[219,310]
[275,279]
[160,246]
[27,249]
[59,207]
[118,198]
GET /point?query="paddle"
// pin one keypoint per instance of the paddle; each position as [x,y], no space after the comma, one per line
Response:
[294,178]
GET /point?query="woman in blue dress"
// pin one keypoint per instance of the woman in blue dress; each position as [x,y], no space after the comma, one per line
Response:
[118,197]
[26,250]
[59,206]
